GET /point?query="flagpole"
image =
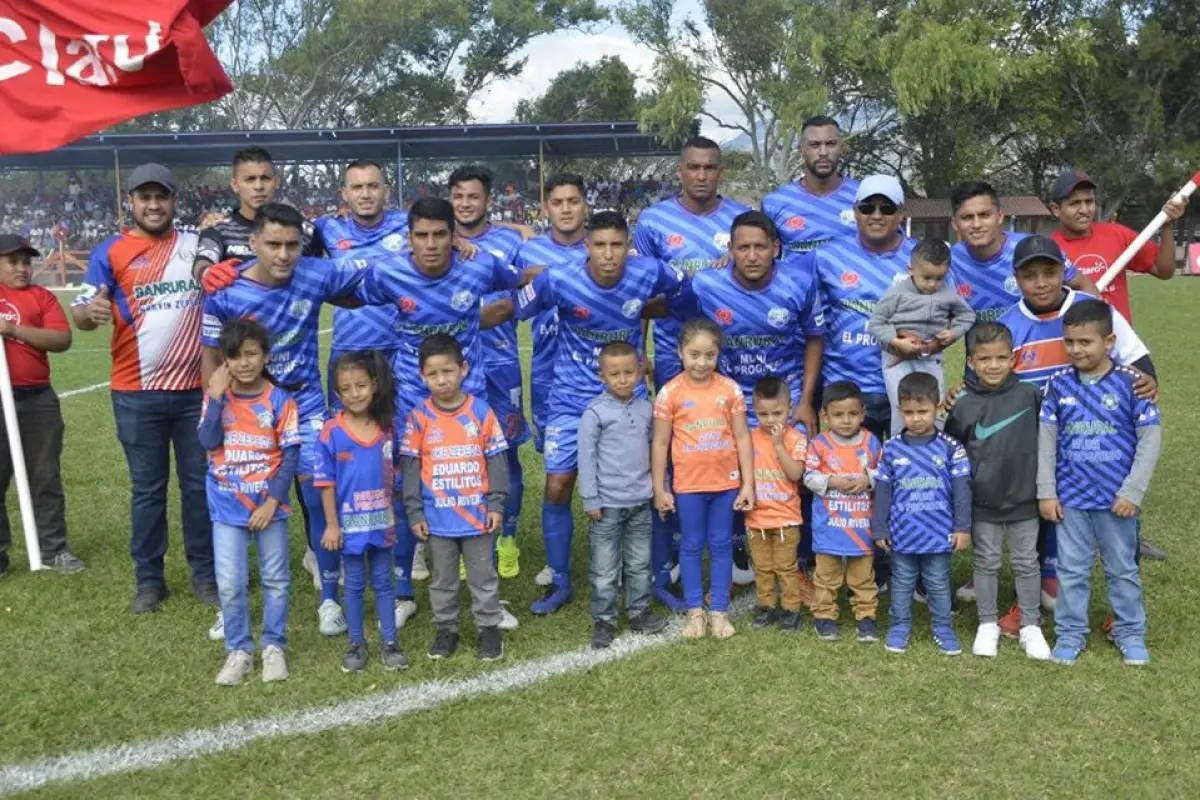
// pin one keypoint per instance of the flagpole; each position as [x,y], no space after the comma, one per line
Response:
[17,451]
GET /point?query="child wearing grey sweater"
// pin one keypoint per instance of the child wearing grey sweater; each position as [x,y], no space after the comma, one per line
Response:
[918,318]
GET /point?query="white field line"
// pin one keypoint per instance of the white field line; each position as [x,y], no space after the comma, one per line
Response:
[119,759]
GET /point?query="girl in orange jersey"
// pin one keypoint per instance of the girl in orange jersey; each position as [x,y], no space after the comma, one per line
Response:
[700,421]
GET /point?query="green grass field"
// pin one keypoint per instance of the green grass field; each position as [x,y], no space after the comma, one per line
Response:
[762,715]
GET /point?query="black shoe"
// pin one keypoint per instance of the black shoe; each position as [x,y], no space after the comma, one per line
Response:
[648,623]
[148,598]
[206,593]
[491,644]
[444,644]
[789,621]
[602,634]
[4,564]
[763,618]
[393,657]
[355,659]
[1152,551]
[741,558]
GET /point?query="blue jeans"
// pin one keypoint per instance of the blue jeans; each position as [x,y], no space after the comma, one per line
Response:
[620,542]
[379,560]
[149,423]
[1080,534]
[706,518]
[934,570]
[231,546]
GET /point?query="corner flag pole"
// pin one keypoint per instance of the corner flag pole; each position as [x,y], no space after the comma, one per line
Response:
[24,497]
[1155,224]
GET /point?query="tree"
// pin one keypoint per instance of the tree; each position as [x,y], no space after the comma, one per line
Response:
[603,90]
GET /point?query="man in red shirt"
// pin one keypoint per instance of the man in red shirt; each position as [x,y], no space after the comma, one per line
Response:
[32,324]
[1093,246]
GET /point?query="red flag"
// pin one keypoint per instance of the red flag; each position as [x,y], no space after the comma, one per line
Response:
[71,67]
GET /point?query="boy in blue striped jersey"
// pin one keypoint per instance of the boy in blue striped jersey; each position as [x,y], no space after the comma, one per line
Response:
[922,512]
[1097,448]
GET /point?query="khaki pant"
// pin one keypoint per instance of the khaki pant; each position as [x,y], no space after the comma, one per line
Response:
[774,555]
[858,573]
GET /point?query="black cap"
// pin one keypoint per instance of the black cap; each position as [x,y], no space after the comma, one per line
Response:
[1035,247]
[1068,182]
[152,173]
[11,243]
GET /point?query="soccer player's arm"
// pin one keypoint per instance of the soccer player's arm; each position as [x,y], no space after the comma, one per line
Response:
[1047,468]
[98,281]
[54,334]
[881,508]
[1149,444]
[210,249]
[210,337]
[1078,281]
[960,495]
[1157,259]
[813,328]
[534,297]
[1131,351]
[343,278]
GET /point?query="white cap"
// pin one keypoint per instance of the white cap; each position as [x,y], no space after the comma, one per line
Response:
[884,185]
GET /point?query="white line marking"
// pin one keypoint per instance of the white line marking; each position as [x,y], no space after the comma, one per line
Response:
[118,759]
[83,390]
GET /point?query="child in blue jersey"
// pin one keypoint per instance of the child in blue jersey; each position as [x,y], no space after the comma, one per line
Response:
[455,486]
[922,512]
[249,428]
[356,473]
[1097,449]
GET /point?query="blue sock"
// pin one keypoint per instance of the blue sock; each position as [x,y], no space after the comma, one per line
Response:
[516,493]
[558,526]
[403,552]
[385,594]
[1050,552]
[329,563]
[662,539]
[356,585]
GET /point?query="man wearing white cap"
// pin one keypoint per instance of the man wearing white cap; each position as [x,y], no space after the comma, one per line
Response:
[853,272]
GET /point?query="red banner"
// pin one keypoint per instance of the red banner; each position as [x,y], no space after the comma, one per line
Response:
[69,68]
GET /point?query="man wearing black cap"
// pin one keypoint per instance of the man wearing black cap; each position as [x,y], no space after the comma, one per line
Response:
[1093,246]
[32,324]
[141,281]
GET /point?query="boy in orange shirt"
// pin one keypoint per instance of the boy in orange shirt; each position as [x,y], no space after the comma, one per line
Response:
[773,525]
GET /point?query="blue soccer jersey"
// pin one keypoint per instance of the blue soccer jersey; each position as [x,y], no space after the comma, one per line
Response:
[290,312]
[447,304]
[1097,424]
[364,478]
[544,251]
[921,518]
[501,351]
[766,329]
[688,243]
[591,316]
[989,287]
[372,327]
[851,280]
[807,221]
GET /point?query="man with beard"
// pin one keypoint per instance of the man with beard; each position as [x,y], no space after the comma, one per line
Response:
[820,206]
[141,282]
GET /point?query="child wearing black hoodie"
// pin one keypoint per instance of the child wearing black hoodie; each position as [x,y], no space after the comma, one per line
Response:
[996,419]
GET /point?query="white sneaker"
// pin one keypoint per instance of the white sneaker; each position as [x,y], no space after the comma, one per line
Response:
[238,664]
[545,577]
[405,610]
[310,564]
[330,619]
[966,592]
[1034,642]
[987,640]
[508,622]
[420,571]
[742,577]
[274,664]
[217,632]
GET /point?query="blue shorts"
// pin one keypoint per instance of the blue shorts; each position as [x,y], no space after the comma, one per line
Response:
[561,442]
[310,431]
[506,397]
[330,387]
[539,400]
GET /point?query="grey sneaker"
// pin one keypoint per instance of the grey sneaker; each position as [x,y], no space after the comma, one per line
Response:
[66,563]
[274,664]
[355,659]
[393,657]
[491,644]
[238,664]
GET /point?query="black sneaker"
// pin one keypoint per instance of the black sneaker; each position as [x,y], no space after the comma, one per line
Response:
[444,644]
[763,618]
[1151,551]
[648,623]
[66,563]
[148,598]
[491,644]
[741,557]
[867,630]
[602,634]
[355,659]
[4,564]
[206,593]
[789,621]
[393,657]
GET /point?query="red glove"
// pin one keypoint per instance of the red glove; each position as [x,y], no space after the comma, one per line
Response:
[220,276]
